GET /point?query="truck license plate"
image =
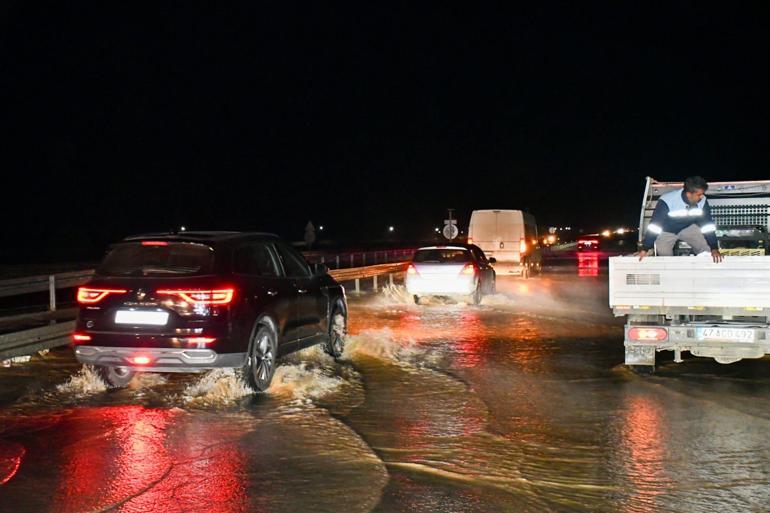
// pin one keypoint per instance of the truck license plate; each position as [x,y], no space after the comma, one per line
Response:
[729,334]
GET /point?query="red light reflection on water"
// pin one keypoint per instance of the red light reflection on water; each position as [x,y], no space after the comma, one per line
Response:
[588,264]
[11,455]
[644,439]
[125,460]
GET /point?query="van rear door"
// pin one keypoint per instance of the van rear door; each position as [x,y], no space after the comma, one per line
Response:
[498,233]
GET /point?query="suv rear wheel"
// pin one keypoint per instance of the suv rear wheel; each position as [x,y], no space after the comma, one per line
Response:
[263,352]
[335,345]
[115,377]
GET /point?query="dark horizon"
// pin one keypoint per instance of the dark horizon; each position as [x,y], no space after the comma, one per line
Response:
[122,121]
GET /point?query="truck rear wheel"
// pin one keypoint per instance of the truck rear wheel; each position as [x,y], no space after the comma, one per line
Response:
[642,370]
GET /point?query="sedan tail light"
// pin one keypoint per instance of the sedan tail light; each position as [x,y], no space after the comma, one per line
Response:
[411,269]
[79,337]
[203,297]
[648,334]
[469,270]
[88,296]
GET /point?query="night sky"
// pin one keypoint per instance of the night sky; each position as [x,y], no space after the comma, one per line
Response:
[121,118]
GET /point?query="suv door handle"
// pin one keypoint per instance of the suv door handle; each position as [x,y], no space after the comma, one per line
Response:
[272,292]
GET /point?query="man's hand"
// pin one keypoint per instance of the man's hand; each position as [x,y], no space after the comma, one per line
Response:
[643,253]
[716,255]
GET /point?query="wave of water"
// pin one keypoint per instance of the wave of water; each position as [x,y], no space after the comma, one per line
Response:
[83,383]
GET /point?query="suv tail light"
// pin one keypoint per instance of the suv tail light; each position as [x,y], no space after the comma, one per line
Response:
[203,297]
[469,270]
[88,296]
[648,334]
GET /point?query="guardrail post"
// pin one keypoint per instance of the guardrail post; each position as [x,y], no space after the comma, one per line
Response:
[352,259]
[390,277]
[375,258]
[364,257]
[358,286]
[52,292]
[338,261]
[375,283]
[322,260]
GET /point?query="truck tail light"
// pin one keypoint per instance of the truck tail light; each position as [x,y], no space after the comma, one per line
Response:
[523,246]
[648,334]
[88,296]
[203,297]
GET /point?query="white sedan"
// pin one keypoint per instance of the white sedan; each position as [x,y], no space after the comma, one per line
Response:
[453,270]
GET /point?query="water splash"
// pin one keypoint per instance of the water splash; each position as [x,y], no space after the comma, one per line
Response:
[383,344]
[146,380]
[86,382]
[218,387]
[395,295]
[304,381]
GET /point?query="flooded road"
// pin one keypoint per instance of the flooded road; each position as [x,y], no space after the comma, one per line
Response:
[518,404]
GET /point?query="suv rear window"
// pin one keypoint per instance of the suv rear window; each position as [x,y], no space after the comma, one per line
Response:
[442,256]
[163,259]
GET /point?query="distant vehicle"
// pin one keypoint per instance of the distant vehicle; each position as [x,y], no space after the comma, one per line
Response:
[206,300]
[588,243]
[453,270]
[510,236]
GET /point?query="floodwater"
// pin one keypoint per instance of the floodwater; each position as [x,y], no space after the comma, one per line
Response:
[518,404]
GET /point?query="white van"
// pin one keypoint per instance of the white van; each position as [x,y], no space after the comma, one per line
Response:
[510,236]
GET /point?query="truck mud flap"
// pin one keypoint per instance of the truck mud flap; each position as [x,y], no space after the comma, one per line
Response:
[640,354]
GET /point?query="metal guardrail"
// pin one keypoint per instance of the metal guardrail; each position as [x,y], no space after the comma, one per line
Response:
[26,342]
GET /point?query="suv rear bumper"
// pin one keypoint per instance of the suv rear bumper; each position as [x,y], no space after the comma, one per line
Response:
[161,359]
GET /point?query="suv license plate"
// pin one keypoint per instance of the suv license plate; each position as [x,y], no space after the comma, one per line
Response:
[729,334]
[138,317]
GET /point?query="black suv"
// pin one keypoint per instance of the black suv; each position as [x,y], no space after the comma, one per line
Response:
[192,301]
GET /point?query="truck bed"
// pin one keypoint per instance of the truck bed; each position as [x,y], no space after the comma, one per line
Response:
[690,284]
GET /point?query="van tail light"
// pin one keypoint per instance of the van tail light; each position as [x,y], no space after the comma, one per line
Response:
[469,270]
[648,334]
[411,269]
[79,337]
[523,246]
[88,296]
[203,297]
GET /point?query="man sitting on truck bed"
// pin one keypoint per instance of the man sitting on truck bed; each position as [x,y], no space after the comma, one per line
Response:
[683,214]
